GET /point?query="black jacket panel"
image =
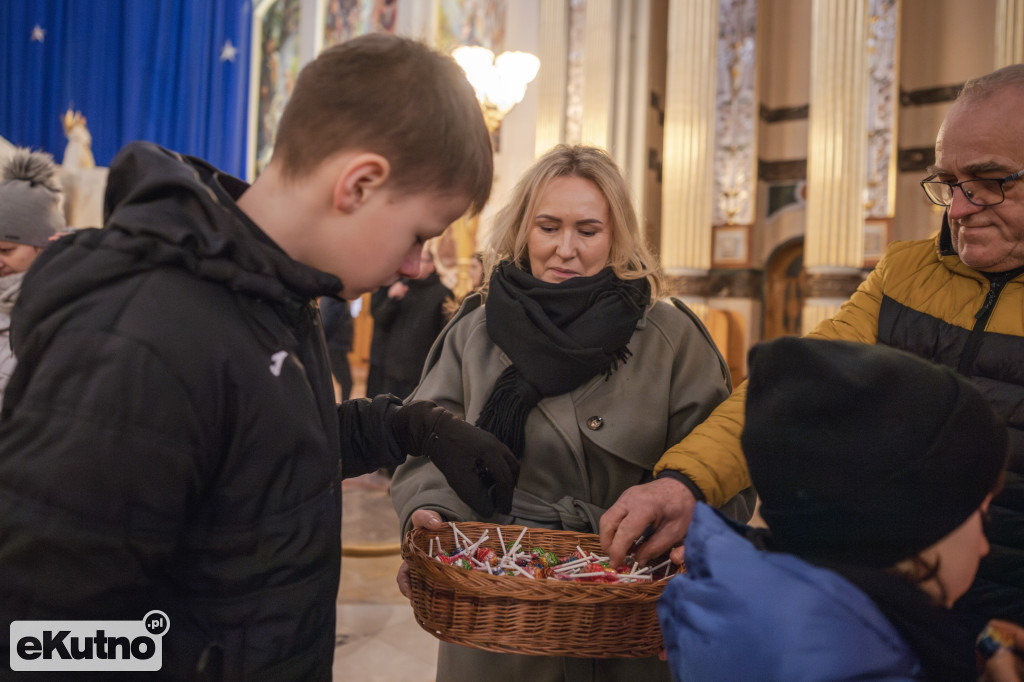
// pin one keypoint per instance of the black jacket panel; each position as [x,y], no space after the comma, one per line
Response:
[170,438]
[997,371]
[409,327]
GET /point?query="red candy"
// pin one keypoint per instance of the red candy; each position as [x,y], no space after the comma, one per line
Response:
[487,556]
[540,563]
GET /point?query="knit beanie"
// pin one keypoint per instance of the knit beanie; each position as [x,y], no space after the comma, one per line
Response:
[30,199]
[865,454]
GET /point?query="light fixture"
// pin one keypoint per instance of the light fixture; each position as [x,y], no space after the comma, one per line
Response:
[500,83]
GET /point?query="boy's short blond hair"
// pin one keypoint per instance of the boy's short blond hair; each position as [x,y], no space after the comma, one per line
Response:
[396,97]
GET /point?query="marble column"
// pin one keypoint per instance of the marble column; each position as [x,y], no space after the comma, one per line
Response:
[687,194]
[836,156]
[599,71]
[629,130]
[551,80]
[1009,32]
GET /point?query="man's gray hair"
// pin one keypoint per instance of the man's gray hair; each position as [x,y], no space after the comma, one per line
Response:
[983,86]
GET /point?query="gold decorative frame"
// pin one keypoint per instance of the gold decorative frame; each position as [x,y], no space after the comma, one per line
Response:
[731,246]
[275,62]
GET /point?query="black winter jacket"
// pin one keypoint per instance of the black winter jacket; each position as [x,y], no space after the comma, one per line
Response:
[410,325]
[170,439]
[923,299]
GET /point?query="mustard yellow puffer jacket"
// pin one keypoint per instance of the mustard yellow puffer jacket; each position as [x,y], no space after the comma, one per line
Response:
[923,299]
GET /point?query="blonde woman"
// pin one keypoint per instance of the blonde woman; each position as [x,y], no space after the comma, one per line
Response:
[568,356]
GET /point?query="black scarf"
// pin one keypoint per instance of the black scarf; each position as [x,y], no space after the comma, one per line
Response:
[558,336]
[943,644]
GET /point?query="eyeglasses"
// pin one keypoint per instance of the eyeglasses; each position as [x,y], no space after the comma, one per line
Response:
[979,191]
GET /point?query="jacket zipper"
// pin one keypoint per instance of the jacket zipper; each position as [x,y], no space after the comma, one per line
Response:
[973,345]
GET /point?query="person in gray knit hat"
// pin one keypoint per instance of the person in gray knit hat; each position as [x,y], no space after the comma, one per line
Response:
[31,213]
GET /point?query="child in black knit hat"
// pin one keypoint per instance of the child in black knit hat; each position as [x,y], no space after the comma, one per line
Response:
[875,470]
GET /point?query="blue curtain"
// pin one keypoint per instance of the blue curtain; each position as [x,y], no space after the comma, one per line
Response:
[152,70]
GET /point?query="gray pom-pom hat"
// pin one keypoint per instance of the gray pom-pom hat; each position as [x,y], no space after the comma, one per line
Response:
[30,199]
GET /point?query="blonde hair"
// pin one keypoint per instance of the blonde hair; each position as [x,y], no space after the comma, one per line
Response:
[630,257]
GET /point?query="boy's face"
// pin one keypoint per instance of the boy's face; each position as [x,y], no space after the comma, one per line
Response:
[957,556]
[384,239]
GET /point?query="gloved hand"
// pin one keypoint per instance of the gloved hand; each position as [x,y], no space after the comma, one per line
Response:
[479,467]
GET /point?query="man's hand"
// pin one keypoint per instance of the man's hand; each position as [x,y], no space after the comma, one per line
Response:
[664,504]
[421,518]
[480,468]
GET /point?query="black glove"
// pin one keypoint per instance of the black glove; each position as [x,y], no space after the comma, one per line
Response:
[479,467]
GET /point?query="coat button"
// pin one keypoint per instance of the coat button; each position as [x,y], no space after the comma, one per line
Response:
[594,423]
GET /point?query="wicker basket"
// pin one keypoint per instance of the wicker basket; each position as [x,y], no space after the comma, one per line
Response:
[537,617]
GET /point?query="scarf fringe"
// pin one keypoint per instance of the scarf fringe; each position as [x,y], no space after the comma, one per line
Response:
[557,337]
[620,357]
[507,408]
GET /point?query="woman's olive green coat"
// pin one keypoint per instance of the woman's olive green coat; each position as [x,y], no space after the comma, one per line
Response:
[583,449]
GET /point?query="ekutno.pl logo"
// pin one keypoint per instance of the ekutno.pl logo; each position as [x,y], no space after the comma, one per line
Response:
[97,645]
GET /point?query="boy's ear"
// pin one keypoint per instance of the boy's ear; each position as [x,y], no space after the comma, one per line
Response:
[360,176]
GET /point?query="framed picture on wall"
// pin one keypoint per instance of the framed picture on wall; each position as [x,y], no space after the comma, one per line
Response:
[276,59]
[471,22]
[344,19]
[731,246]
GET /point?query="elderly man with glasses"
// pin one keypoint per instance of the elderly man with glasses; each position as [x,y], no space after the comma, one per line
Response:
[956,299]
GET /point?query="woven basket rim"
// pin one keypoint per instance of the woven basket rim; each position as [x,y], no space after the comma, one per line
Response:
[505,613]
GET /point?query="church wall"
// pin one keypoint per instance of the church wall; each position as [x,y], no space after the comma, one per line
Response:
[942,45]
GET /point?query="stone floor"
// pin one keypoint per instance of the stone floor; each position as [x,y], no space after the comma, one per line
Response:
[378,639]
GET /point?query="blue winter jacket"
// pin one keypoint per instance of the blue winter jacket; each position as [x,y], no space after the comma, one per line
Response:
[740,613]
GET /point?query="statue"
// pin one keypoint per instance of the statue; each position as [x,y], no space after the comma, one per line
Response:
[78,152]
[84,183]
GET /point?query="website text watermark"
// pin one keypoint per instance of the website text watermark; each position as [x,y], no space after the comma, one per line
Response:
[89,645]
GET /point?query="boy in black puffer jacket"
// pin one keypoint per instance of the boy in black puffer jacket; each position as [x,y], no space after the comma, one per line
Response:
[170,439]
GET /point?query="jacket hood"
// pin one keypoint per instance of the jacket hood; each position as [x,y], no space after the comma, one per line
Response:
[164,210]
[792,620]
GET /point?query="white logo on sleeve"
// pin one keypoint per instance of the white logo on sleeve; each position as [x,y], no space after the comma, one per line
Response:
[79,645]
[277,361]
